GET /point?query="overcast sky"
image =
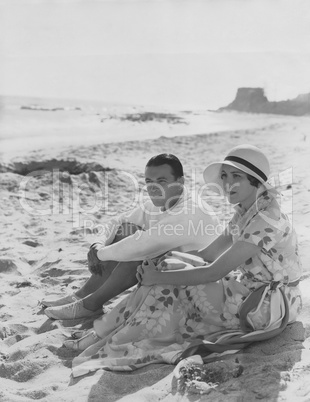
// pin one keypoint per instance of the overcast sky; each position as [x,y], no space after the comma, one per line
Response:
[177,53]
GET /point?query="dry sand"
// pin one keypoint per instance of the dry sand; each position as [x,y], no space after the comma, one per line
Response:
[44,241]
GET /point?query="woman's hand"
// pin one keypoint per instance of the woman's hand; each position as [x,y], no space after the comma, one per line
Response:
[147,273]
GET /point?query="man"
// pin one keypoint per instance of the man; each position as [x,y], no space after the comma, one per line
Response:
[170,220]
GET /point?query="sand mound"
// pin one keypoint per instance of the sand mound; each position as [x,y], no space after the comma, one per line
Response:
[72,167]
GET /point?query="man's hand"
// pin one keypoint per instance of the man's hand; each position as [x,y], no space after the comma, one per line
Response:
[94,264]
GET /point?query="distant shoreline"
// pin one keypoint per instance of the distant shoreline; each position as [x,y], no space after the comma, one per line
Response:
[31,124]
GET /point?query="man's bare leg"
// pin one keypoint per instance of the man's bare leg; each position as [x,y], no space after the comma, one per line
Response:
[122,278]
[96,281]
[91,285]
[97,290]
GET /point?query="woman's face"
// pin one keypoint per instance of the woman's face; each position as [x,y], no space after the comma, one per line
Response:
[237,187]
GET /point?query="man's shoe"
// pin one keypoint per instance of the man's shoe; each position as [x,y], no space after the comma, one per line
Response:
[70,311]
[60,302]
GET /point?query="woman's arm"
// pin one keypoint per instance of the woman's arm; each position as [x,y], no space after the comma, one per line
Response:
[216,248]
[236,255]
[209,254]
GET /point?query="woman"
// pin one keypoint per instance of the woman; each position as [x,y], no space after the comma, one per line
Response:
[186,298]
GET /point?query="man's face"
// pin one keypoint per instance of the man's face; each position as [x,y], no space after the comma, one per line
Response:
[162,186]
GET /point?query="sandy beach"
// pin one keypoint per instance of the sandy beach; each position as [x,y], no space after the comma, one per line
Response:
[56,192]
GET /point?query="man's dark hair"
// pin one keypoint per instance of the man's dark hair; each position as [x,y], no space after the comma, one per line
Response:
[167,159]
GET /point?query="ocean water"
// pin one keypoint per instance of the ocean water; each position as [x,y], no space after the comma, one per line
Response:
[154,54]
[179,53]
[53,125]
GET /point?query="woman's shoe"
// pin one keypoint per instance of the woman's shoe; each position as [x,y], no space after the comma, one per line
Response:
[83,343]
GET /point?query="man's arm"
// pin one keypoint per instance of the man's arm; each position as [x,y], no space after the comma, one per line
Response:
[111,227]
[172,232]
[137,247]
[145,244]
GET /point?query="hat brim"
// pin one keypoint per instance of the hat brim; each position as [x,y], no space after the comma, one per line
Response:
[212,174]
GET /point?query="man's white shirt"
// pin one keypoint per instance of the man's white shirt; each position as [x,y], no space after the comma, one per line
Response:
[189,225]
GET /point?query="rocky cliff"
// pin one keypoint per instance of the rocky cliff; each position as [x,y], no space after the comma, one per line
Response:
[253,100]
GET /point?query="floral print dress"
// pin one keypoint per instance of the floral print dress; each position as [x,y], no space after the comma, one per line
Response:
[154,324]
